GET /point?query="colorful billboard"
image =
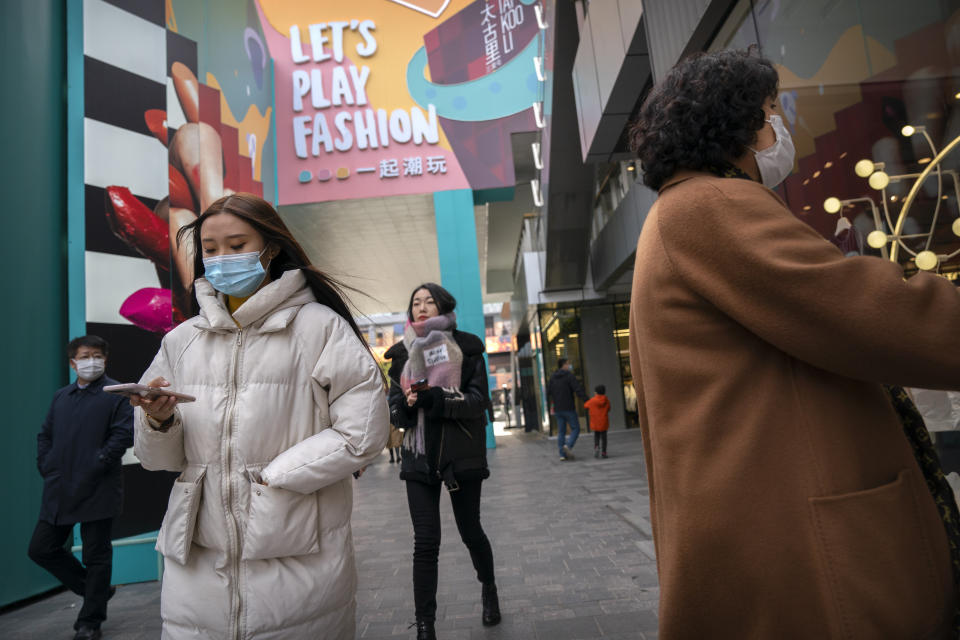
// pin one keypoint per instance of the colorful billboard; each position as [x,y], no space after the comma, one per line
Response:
[379,98]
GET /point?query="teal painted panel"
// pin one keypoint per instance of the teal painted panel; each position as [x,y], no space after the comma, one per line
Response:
[460,263]
[140,563]
[134,558]
[33,130]
[502,194]
[76,205]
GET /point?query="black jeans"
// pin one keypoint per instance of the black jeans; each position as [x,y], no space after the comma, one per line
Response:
[93,582]
[424,502]
[600,441]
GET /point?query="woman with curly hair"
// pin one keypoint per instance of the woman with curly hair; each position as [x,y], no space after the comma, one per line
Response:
[786,501]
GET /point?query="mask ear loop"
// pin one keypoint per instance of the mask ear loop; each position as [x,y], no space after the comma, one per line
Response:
[776,137]
[266,267]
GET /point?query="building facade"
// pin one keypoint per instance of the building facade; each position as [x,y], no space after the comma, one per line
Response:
[869,91]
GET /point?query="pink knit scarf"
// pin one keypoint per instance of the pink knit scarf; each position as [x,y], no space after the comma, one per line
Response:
[432,355]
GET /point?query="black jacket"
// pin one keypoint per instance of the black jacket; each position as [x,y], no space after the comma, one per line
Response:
[79,449]
[563,384]
[455,437]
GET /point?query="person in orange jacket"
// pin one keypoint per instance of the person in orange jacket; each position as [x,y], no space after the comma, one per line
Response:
[599,408]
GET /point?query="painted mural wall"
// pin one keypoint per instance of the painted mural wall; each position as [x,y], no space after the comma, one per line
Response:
[178,108]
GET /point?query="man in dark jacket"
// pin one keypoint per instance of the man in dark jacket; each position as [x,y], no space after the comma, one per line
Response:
[561,389]
[79,451]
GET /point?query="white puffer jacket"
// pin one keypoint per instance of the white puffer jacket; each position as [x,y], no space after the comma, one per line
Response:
[290,398]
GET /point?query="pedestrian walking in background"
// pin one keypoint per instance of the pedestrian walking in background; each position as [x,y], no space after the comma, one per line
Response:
[786,500]
[290,403]
[79,452]
[505,398]
[599,410]
[561,390]
[439,396]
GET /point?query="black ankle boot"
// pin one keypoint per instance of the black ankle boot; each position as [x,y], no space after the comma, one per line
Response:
[425,630]
[491,605]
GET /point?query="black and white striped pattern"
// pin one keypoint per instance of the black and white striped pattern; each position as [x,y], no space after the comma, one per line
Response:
[125,74]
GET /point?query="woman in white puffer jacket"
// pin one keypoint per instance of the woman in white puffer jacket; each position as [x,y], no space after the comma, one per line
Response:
[289,404]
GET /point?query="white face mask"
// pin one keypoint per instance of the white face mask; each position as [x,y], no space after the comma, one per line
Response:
[776,161]
[90,368]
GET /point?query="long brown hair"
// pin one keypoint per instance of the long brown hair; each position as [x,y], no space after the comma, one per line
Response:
[264,218]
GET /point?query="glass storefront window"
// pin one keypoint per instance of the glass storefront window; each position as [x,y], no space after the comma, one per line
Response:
[622,338]
[561,339]
[853,74]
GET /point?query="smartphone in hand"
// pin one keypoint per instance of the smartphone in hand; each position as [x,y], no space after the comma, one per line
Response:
[141,390]
[420,385]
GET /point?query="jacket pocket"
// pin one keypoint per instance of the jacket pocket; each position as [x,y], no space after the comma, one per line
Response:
[882,578]
[280,523]
[179,523]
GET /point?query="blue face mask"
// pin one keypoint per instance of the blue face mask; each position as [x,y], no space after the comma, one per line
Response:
[237,274]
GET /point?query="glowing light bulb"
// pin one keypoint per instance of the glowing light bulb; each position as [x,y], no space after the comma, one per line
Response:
[927,260]
[879,180]
[863,168]
[907,131]
[876,239]
[832,205]
[956,227]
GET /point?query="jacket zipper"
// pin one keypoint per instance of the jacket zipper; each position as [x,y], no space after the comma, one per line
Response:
[231,519]
[464,429]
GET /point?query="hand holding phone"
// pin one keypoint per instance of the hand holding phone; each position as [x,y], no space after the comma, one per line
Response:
[132,389]
[158,403]
[420,385]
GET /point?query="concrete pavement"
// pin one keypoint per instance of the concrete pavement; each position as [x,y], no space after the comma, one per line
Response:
[571,541]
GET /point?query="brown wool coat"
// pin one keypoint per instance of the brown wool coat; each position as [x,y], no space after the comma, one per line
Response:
[786,502]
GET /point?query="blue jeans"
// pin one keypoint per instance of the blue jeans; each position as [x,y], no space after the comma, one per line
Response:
[565,418]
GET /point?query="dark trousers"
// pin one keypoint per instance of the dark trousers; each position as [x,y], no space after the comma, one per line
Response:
[424,502]
[600,441]
[91,580]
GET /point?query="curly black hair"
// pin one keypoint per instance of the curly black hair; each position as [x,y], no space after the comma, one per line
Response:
[704,114]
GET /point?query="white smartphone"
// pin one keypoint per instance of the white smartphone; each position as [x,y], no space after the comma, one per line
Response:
[142,390]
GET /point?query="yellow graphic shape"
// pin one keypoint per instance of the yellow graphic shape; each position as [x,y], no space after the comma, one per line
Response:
[171,18]
[399,35]
[253,122]
[840,75]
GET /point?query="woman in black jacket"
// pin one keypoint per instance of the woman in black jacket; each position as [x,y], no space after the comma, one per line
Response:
[439,397]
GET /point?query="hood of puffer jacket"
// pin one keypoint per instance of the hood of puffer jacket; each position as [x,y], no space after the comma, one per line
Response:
[271,308]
